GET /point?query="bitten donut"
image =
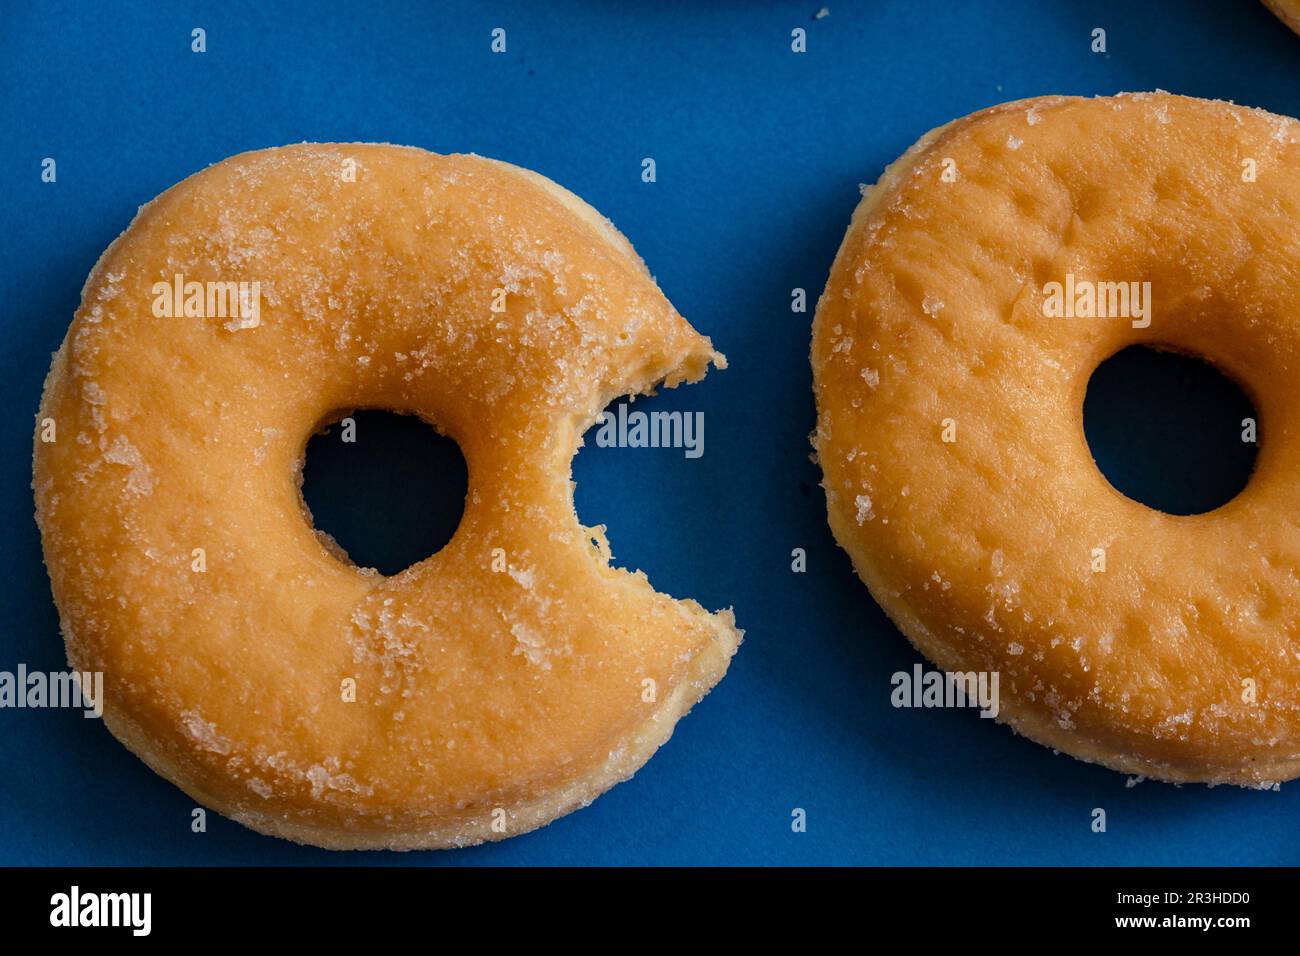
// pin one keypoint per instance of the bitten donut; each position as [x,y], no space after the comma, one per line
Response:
[1288,11]
[506,680]
[950,375]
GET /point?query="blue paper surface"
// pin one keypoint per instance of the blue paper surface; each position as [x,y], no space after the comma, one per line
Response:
[759,152]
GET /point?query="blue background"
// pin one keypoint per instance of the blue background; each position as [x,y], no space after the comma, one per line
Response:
[759,153]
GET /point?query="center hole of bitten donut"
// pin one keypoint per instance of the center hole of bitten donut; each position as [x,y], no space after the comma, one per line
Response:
[1170,431]
[387,488]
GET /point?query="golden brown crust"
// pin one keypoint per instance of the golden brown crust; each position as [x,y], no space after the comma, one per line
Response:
[1288,11]
[982,549]
[490,697]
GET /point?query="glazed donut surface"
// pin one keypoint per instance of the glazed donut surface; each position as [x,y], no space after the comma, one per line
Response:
[509,678]
[1180,658]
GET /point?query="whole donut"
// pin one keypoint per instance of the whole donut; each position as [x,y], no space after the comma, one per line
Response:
[949,392]
[506,680]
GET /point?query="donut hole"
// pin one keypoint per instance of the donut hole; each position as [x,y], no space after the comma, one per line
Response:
[1167,430]
[386,487]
